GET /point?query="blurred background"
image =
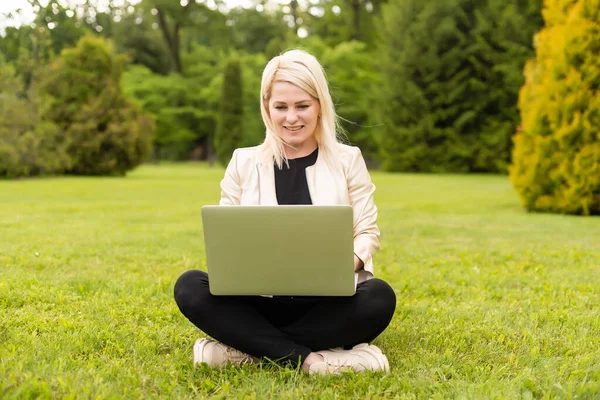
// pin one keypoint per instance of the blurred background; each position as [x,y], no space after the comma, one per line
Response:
[96,87]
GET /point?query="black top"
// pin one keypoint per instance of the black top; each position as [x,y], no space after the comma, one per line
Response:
[290,183]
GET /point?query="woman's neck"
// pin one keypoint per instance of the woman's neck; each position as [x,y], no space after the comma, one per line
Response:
[299,152]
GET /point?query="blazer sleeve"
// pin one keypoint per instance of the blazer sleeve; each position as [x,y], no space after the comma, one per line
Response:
[366,232]
[231,189]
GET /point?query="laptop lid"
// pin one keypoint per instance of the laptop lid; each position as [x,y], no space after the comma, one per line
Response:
[291,250]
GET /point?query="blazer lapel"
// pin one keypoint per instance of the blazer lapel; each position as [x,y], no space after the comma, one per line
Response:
[322,184]
[266,184]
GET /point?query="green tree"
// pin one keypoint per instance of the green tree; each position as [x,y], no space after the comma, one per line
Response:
[229,133]
[355,92]
[556,158]
[142,43]
[452,72]
[251,30]
[14,41]
[29,144]
[176,105]
[338,21]
[106,133]
[173,19]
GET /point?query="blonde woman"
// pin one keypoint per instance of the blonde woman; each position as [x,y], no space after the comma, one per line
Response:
[300,161]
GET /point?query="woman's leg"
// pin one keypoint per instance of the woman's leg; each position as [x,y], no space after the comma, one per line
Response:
[345,321]
[234,320]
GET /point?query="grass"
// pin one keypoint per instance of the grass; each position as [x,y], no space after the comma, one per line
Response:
[492,302]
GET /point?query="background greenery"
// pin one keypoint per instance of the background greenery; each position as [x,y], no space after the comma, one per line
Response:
[462,62]
[420,85]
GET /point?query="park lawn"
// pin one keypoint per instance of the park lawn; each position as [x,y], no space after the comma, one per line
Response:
[493,302]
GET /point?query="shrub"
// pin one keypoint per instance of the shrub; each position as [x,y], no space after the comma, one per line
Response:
[106,133]
[556,157]
[29,144]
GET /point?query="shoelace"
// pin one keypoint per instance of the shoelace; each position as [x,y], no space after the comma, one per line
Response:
[238,356]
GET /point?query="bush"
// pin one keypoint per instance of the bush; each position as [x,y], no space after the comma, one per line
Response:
[556,158]
[29,144]
[106,133]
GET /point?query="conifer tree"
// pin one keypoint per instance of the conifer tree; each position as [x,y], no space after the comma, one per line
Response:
[452,71]
[229,134]
[556,158]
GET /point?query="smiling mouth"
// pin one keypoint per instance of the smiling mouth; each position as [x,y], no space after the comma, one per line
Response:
[293,128]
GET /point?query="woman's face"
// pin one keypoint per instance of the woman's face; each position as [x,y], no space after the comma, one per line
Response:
[295,115]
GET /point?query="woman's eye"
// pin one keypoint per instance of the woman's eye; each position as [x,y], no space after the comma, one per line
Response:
[303,107]
[279,107]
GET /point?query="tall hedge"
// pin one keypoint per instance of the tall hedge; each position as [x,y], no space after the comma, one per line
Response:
[452,72]
[229,134]
[105,132]
[556,158]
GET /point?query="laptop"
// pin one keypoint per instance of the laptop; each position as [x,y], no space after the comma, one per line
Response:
[288,250]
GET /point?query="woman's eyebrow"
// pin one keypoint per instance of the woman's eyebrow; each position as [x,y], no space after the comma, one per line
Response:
[298,102]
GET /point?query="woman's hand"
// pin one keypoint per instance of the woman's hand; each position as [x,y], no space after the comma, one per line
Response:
[358,263]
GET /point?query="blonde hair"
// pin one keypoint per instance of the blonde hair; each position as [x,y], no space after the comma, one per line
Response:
[303,70]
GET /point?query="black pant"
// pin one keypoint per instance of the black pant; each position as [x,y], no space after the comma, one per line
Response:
[284,328]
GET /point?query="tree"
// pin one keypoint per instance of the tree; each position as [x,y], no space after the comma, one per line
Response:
[556,157]
[355,92]
[338,21]
[143,44]
[106,133]
[229,133]
[252,30]
[451,72]
[172,18]
[29,144]
[176,105]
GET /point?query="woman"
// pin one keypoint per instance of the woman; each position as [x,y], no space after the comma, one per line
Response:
[300,162]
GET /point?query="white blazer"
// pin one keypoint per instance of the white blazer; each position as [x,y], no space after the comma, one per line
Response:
[250,180]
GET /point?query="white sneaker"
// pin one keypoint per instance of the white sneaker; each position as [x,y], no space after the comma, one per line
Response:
[217,354]
[362,357]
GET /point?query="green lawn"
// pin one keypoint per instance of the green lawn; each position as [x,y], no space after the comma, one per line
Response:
[492,302]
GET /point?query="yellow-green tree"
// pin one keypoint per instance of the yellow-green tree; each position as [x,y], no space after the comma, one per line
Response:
[556,157]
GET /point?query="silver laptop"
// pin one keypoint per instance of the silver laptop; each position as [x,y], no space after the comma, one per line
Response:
[286,250]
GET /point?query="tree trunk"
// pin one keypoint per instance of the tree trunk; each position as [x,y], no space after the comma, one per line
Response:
[172,40]
[356,16]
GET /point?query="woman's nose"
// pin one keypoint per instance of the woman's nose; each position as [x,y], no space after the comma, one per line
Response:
[291,116]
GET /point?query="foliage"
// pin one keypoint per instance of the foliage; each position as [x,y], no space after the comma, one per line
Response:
[492,302]
[14,41]
[556,158]
[435,89]
[338,21]
[452,72]
[251,30]
[355,92]
[174,105]
[64,31]
[230,130]
[186,107]
[29,144]
[143,45]
[106,133]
